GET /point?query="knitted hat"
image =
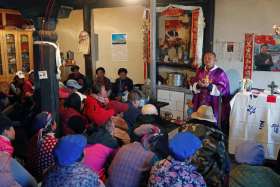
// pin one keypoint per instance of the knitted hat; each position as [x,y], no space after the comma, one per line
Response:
[149,109]
[183,145]
[249,152]
[69,149]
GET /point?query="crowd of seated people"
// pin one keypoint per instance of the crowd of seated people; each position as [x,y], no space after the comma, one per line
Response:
[104,139]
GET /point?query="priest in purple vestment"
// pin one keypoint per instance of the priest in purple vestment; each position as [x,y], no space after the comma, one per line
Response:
[209,83]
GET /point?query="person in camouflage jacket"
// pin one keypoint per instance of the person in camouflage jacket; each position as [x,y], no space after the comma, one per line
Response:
[212,160]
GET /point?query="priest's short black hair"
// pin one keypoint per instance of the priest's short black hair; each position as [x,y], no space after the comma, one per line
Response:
[210,52]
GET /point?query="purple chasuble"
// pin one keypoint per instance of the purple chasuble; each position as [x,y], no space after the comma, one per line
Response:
[218,78]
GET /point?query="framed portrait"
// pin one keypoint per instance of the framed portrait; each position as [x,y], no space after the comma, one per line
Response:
[266,53]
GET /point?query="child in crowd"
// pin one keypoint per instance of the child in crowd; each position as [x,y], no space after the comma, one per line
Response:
[133,112]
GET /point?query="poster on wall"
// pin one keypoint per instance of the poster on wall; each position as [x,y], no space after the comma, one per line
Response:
[119,47]
[267,53]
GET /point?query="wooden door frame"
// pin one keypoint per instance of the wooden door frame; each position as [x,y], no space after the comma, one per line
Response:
[2,41]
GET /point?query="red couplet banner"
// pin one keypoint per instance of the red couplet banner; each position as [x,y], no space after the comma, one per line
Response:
[248,56]
[195,15]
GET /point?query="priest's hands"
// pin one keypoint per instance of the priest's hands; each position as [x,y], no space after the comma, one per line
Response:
[203,84]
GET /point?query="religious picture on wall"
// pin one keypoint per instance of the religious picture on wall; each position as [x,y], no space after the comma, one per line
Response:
[175,35]
[119,47]
[267,53]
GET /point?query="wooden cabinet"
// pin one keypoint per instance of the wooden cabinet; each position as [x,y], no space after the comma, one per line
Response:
[25,50]
[16,53]
[16,44]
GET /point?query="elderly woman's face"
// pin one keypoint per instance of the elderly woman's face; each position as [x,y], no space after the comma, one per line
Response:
[103,92]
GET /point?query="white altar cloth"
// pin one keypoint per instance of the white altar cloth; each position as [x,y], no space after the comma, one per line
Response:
[253,118]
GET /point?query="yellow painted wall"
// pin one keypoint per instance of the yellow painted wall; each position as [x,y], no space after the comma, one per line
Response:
[120,20]
[107,21]
[68,30]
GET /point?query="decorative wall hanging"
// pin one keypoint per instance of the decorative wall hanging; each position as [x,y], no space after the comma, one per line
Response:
[84,43]
[146,26]
[248,51]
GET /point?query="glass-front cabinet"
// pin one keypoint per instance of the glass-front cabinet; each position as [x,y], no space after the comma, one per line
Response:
[11,53]
[25,48]
[16,53]
[16,44]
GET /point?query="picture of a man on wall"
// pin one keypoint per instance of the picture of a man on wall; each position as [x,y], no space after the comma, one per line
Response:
[263,60]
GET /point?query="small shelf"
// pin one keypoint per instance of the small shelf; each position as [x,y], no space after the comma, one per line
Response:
[187,66]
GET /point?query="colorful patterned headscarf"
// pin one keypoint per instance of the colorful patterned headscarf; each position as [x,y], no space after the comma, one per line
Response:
[42,125]
[6,145]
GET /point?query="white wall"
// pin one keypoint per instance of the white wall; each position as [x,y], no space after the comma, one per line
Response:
[234,18]
[120,20]
[68,30]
